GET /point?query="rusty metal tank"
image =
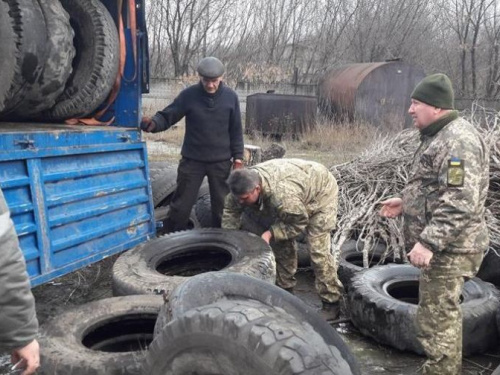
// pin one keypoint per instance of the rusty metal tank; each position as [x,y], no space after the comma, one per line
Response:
[377,93]
[280,114]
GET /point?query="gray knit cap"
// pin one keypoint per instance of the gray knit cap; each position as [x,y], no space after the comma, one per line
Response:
[210,67]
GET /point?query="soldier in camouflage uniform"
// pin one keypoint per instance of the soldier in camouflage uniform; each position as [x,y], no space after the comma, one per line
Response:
[444,224]
[294,196]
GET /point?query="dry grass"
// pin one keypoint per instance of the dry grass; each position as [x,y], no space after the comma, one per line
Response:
[328,143]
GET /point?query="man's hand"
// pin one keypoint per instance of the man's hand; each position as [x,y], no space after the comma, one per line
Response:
[30,356]
[266,236]
[420,256]
[147,124]
[237,164]
[391,207]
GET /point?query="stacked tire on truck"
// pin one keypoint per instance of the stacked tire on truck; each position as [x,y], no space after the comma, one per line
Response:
[59,61]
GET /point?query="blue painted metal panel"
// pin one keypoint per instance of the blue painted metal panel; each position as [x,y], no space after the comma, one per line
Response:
[76,193]
[78,203]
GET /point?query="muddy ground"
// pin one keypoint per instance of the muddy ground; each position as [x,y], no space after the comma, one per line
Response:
[94,282]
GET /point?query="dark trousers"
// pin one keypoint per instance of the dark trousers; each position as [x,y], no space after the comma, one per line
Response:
[190,174]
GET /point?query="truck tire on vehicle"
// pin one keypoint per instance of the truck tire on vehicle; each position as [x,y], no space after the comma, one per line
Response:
[383,304]
[162,264]
[109,336]
[22,54]
[351,259]
[213,287]
[241,338]
[96,62]
[8,53]
[57,65]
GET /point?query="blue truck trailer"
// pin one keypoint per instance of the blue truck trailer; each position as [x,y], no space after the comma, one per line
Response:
[79,193]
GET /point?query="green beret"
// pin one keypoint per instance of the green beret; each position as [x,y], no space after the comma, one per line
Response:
[435,90]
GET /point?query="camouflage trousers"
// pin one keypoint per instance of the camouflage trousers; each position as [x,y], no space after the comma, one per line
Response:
[317,235]
[327,283]
[439,316]
[318,239]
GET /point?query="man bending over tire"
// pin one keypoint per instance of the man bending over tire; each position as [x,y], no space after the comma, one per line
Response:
[18,322]
[300,197]
[213,141]
[444,226]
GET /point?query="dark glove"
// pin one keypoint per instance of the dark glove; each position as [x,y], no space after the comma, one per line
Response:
[147,124]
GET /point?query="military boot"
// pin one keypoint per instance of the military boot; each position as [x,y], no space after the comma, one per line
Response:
[330,310]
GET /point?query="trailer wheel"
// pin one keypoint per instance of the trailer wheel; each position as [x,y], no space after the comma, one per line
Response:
[57,64]
[22,50]
[241,338]
[351,259]
[383,304]
[108,336]
[161,264]
[213,287]
[95,65]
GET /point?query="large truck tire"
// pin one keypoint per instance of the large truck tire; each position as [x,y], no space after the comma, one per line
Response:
[96,62]
[383,304]
[236,337]
[161,214]
[163,182]
[109,336]
[23,54]
[57,65]
[8,53]
[351,259]
[162,264]
[490,268]
[213,287]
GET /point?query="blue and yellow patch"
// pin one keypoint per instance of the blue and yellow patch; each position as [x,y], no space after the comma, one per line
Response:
[456,172]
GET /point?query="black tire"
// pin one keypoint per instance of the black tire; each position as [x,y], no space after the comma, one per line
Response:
[161,215]
[109,337]
[163,182]
[203,210]
[391,320]
[497,371]
[95,65]
[303,256]
[162,264]
[8,53]
[351,259]
[57,65]
[25,56]
[213,287]
[241,338]
[490,268]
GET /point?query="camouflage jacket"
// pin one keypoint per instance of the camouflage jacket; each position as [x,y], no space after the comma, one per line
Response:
[443,202]
[292,191]
[18,322]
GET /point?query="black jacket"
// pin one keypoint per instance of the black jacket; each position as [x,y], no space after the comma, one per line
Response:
[213,123]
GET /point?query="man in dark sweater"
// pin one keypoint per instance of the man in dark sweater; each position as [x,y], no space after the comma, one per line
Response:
[213,141]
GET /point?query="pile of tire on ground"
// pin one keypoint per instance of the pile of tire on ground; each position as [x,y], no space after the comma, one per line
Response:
[226,323]
[59,58]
